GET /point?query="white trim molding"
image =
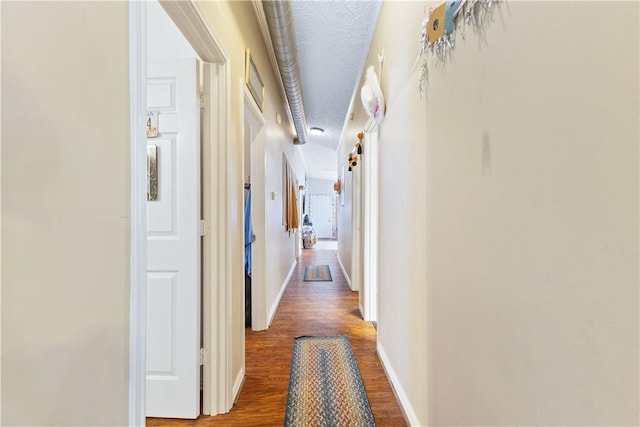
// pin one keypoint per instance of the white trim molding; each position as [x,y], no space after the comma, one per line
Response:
[401,396]
[254,118]
[218,386]
[237,384]
[189,18]
[344,271]
[276,303]
[0,239]
[138,207]
[370,223]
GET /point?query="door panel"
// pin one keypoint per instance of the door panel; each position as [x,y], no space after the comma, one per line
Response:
[161,314]
[173,260]
[320,213]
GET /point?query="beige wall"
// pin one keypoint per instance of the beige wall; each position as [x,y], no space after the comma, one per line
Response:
[65,213]
[509,218]
[237,28]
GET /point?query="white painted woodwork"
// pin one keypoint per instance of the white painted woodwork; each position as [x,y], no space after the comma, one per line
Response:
[254,138]
[356,226]
[173,262]
[370,222]
[219,267]
[138,239]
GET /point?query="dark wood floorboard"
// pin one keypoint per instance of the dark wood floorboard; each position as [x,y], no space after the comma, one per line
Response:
[307,308]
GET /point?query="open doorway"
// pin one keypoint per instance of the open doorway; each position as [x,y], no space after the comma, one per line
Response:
[369,217]
[173,311]
[365,225]
[217,386]
[319,213]
[255,227]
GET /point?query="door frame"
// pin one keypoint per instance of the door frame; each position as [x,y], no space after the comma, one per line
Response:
[356,233]
[370,221]
[218,395]
[252,114]
[315,196]
[364,266]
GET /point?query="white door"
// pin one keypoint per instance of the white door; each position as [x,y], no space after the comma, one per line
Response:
[320,214]
[173,263]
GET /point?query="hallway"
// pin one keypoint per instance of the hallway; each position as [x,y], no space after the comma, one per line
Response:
[307,308]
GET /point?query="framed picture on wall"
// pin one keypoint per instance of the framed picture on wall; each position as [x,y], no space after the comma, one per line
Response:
[253,81]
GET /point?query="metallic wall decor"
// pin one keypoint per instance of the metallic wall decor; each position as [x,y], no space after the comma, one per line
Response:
[439,27]
[152,124]
[152,172]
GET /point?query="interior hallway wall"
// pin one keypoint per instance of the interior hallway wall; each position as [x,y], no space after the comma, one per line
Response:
[236,26]
[319,186]
[509,217]
[65,213]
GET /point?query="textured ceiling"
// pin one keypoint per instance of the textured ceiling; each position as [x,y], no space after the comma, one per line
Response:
[333,40]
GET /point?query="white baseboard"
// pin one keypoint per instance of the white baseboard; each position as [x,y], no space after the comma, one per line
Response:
[283,287]
[237,385]
[346,276]
[408,412]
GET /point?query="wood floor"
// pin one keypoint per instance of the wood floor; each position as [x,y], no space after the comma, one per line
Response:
[307,308]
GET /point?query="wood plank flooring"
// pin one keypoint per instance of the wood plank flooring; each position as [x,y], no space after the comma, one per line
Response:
[307,308]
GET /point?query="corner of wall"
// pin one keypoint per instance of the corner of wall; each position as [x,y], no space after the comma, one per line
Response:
[237,385]
[344,271]
[283,287]
[405,405]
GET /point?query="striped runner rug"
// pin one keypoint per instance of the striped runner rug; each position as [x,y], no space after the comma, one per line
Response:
[317,273]
[325,386]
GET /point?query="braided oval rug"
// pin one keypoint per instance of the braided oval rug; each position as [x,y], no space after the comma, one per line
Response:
[325,386]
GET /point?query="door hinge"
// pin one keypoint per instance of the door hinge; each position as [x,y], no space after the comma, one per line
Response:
[202,228]
[203,101]
[204,356]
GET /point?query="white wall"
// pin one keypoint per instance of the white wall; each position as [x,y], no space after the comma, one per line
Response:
[65,213]
[319,186]
[509,218]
